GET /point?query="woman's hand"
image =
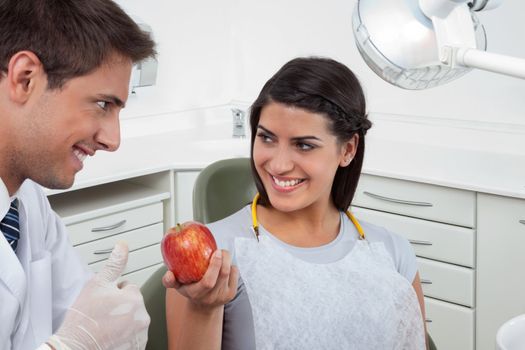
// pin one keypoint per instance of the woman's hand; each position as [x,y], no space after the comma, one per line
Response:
[217,287]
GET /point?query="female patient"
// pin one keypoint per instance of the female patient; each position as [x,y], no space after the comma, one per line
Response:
[296,270]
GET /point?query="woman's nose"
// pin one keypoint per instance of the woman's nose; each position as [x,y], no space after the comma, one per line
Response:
[282,161]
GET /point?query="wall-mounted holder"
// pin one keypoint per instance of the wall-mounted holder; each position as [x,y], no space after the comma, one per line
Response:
[143,73]
[238,123]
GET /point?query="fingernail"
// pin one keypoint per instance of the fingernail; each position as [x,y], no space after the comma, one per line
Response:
[120,249]
[168,279]
[166,282]
[218,253]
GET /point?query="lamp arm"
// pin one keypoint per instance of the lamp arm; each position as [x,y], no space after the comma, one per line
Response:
[474,58]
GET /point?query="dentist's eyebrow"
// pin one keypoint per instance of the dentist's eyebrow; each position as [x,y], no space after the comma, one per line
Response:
[113,99]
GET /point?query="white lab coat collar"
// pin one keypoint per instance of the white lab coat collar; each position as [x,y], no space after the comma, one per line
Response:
[11,271]
[5,204]
[5,199]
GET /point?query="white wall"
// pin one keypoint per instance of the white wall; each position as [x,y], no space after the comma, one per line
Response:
[213,52]
[194,49]
[274,31]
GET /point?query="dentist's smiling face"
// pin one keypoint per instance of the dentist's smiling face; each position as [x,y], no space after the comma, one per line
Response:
[63,126]
[296,157]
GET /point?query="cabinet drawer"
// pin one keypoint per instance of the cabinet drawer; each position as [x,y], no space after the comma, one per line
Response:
[140,276]
[447,282]
[137,259]
[99,250]
[451,326]
[112,224]
[429,239]
[415,199]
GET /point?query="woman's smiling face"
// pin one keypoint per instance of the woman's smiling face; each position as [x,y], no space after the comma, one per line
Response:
[296,156]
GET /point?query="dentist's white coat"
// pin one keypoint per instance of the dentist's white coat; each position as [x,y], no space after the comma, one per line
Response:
[38,286]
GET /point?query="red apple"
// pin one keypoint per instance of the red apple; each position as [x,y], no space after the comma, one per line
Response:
[187,250]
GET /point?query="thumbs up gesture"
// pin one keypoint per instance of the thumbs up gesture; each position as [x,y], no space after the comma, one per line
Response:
[106,314]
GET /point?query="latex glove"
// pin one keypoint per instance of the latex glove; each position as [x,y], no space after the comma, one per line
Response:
[106,315]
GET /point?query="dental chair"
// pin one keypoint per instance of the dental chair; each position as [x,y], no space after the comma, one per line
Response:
[154,295]
[221,189]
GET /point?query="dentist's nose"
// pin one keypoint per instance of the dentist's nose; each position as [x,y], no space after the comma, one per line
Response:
[108,136]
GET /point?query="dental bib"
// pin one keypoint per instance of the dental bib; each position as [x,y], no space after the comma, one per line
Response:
[358,302]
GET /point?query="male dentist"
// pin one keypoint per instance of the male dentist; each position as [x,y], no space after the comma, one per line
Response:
[64,72]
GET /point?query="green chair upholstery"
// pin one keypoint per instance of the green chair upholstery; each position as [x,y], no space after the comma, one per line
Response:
[154,295]
[431,344]
[222,188]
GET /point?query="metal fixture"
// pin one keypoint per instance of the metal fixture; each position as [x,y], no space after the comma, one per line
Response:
[238,123]
[418,44]
[395,200]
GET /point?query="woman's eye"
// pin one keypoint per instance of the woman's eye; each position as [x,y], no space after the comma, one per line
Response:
[103,104]
[304,146]
[264,138]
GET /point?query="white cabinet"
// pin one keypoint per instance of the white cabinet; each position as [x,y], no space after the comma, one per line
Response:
[430,202]
[451,326]
[97,217]
[501,264]
[447,282]
[439,223]
[137,210]
[433,240]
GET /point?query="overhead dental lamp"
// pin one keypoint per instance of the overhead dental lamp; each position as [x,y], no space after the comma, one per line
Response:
[418,44]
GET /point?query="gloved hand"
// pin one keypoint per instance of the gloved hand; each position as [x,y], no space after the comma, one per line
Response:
[106,315]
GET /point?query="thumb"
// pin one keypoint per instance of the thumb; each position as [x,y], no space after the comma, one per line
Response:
[116,263]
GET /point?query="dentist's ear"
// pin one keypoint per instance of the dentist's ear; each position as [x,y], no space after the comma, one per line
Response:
[24,72]
[349,150]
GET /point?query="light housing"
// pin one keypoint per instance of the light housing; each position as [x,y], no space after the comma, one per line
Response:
[419,44]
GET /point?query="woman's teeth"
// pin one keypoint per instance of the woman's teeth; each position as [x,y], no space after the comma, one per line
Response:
[287,183]
[80,155]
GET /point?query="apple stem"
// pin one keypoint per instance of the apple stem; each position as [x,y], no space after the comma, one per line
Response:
[179,226]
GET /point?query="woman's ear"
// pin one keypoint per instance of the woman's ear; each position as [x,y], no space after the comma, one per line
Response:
[25,73]
[348,151]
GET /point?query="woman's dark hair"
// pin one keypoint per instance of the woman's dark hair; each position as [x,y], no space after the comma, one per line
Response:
[70,37]
[324,86]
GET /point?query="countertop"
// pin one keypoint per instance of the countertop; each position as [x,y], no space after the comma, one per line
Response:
[488,158]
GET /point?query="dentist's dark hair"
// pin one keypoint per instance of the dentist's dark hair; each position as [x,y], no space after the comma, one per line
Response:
[324,86]
[70,37]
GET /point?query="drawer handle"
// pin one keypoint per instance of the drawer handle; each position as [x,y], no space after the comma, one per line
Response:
[522,222]
[415,241]
[103,251]
[428,320]
[108,228]
[399,201]
[425,281]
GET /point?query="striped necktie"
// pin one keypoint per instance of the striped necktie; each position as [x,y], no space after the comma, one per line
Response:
[10,225]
